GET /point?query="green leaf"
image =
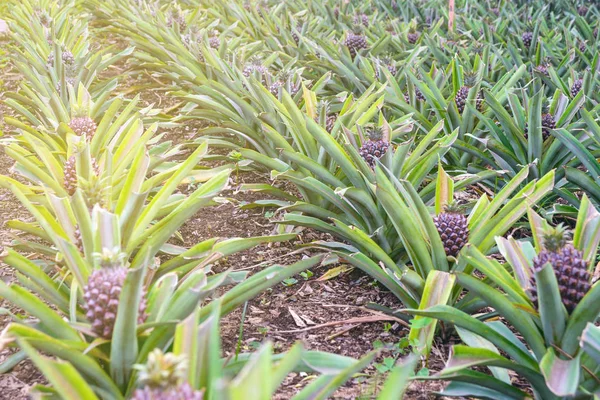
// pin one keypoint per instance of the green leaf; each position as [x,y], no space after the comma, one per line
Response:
[562,376]
[438,288]
[64,378]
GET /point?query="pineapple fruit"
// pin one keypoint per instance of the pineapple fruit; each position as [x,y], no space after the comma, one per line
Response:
[361,19]
[375,147]
[214,41]
[453,228]
[83,126]
[548,124]
[325,117]
[355,41]
[102,292]
[463,93]
[163,378]
[413,36]
[576,87]
[569,265]
[527,37]
[70,173]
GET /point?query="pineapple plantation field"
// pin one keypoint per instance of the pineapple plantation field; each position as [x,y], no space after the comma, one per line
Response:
[328,199]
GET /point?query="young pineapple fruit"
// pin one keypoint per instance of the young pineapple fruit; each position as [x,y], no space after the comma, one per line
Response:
[569,265]
[576,87]
[68,59]
[355,41]
[214,41]
[102,293]
[70,173]
[582,10]
[386,62]
[453,228]
[325,117]
[542,69]
[295,33]
[361,19]
[83,126]
[412,37]
[375,147]
[548,124]
[463,93]
[527,37]
[255,66]
[163,378]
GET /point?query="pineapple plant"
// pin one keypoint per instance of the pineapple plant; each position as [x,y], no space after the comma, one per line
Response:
[163,378]
[355,41]
[463,93]
[576,87]
[452,225]
[375,146]
[569,265]
[102,292]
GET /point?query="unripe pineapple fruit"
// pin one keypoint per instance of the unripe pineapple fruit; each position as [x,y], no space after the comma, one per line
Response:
[163,378]
[355,42]
[569,265]
[548,124]
[83,126]
[214,40]
[101,295]
[463,93]
[70,172]
[361,19]
[527,37]
[576,88]
[375,147]
[412,37]
[452,225]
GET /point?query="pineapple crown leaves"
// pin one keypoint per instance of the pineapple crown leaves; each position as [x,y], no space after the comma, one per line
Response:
[162,370]
[554,239]
[470,79]
[376,133]
[453,207]
[110,258]
[357,30]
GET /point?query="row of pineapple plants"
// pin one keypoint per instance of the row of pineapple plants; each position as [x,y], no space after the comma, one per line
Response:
[122,312]
[376,128]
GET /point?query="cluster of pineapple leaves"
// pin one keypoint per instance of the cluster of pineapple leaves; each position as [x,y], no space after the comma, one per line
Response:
[439,149]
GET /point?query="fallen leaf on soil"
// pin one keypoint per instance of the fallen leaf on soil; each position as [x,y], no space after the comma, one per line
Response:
[297,318]
[333,272]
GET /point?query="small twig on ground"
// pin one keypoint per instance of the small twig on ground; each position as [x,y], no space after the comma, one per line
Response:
[358,320]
